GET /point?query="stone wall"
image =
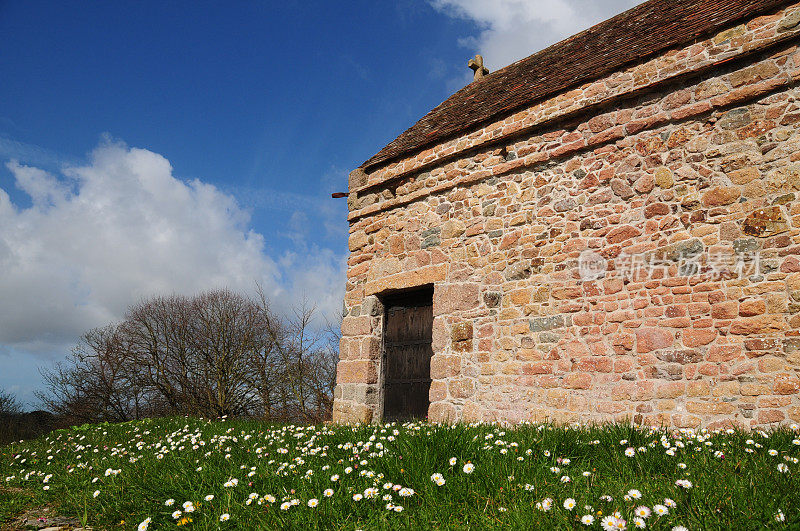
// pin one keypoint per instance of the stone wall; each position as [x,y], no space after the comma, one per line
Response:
[629,249]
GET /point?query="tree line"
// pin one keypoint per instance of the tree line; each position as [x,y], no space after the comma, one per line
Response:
[214,354]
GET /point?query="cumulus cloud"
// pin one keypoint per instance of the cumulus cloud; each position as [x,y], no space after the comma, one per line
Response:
[510,30]
[100,236]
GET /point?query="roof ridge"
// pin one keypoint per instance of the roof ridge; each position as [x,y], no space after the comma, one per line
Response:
[596,51]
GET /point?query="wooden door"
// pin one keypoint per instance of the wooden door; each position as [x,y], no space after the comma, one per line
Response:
[407,356]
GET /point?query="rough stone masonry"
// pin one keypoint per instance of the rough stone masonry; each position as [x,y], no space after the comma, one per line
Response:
[611,228]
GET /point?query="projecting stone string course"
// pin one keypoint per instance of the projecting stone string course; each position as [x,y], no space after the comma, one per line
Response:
[625,249]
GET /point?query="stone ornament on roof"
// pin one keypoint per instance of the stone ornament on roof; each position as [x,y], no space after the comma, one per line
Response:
[476,65]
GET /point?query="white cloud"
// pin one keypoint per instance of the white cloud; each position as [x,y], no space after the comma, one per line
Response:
[510,30]
[101,236]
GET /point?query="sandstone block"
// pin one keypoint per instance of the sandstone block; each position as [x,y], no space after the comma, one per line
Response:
[751,307]
[578,381]
[357,240]
[452,229]
[520,297]
[445,366]
[541,367]
[620,234]
[442,412]
[407,279]
[461,332]
[721,196]
[699,388]
[786,384]
[762,324]
[357,371]
[769,416]
[356,326]
[744,175]
[650,339]
[595,364]
[450,298]
[663,177]
[622,189]
[656,210]
[644,184]
[462,387]
[725,310]
[698,338]
[438,391]
[670,389]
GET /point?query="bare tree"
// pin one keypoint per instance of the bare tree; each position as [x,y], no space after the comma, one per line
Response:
[266,367]
[9,405]
[98,381]
[214,354]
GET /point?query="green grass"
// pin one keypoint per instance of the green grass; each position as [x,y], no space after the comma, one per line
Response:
[515,468]
[13,503]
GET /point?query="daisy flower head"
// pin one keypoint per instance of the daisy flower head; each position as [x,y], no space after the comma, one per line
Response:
[587,519]
[634,494]
[469,468]
[96,494]
[327,493]
[569,504]
[669,502]
[358,496]
[783,468]
[639,523]
[144,524]
[660,510]
[176,514]
[642,511]
[209,497]
[679,528]
[313,502]
[629,452]
[612,523]
[453,461]
[169,502]
[545,504]
[779,516]
[683,483]
[224,517]
[398,508]
[438,479]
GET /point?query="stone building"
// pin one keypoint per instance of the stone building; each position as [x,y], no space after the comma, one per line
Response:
[608,229]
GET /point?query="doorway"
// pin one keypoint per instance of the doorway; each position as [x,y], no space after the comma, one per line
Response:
[407,355]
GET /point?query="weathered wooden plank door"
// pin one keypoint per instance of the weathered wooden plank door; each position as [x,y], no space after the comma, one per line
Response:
[407,355]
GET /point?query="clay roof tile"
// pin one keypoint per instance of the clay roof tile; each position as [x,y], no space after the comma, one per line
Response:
[628,38]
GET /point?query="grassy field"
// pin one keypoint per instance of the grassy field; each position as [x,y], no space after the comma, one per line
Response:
[245,475]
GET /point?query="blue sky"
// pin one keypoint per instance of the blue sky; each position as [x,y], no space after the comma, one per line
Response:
[151,147]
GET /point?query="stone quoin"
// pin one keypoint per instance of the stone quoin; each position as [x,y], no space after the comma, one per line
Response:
[608,230]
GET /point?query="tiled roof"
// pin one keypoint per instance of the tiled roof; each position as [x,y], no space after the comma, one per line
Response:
[627,38]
